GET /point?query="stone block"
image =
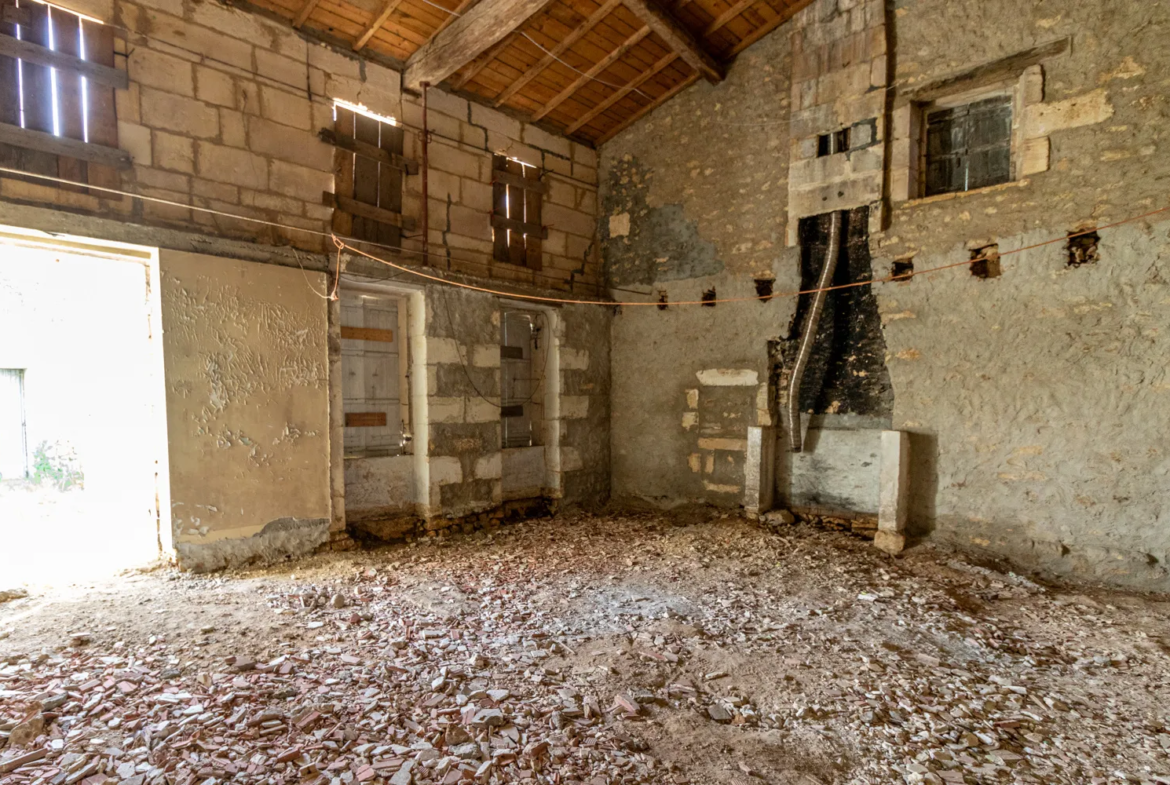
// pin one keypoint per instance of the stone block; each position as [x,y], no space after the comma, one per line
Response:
[155,178]
[489,467]
[178,113]
[441,351]
[893,481]
[890,542]
[333,62]
[281,69]
[445,410]
[1036,156]
[543,140]
[485,356]
[287,143]
[569,220]
[447,158]
[574,359]
[229,21]
[127,104]
[135,139]
[445,470]
[496,121]
[584,155]
[1032,85]
[470,223]
[476,195]
[215,87]
[479,410]
[232,130]
[202,40]
[285,108]
[299,181]
[221,192]
[440,101]
[571,460]
[574,407]
[173,152]
[231,165]
[155,69]
[1086,109]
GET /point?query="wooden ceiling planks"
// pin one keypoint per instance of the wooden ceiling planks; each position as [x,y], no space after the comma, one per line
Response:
[592,68]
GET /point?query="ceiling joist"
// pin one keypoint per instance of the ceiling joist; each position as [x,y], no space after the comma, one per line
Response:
[592,73]
[555,53]
[621,93]
[389,8]
[466,38]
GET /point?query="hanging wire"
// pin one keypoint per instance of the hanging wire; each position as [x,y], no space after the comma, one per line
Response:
[536,43]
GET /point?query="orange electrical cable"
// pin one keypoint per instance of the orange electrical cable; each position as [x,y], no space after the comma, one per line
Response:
[341,245]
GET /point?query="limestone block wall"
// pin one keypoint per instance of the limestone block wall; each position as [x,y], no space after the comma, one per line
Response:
[223,112]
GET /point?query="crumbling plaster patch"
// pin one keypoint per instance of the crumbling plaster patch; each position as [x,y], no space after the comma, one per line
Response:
[247,406]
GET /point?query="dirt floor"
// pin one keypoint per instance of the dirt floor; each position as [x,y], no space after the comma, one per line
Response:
[637,649]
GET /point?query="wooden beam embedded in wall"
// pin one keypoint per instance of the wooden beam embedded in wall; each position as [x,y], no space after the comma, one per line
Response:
[555,53]
[389,8]
[584,78]
[466,38]
[46,142]
[678,38]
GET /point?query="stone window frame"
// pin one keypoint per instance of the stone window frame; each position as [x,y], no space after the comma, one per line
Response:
[1029,153]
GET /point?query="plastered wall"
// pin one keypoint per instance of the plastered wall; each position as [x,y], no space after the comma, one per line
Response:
[1036,400]
[247,382]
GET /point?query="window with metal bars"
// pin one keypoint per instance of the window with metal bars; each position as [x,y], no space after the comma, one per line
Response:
[368,173]
[518,193]
[57,82]
[969,146]
[521,404]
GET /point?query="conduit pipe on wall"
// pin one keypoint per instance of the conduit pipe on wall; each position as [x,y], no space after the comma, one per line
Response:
[426,206]
[809,333]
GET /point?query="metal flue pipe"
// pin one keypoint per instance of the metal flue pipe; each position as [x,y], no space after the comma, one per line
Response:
[809,333]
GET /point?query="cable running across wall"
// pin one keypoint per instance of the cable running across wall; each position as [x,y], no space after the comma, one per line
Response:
[755,298]
[341,245]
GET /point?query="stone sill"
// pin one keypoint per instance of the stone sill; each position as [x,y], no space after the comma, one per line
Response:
[924,200]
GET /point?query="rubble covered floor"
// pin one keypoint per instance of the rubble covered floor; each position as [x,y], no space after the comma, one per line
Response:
[636,649]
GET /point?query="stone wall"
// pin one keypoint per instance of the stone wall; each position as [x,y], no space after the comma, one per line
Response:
[247,388]
[693,201]
[1036,400]
[223,112]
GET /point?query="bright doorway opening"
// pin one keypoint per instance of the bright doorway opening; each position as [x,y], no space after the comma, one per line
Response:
[83,461]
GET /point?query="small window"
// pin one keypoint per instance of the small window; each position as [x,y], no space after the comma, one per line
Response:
[375,373]
[969,146]
[522,392]
[369,167]
[518,193]
[57,106]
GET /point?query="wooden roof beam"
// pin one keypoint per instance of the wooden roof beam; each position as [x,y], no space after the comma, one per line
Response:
[458,12]
[606,62]
[678,38]
[466,38]
[575,35]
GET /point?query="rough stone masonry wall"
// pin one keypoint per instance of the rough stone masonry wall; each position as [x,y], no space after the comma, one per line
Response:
[694,202]
[1036,401]
[1039,401]
[223,111]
